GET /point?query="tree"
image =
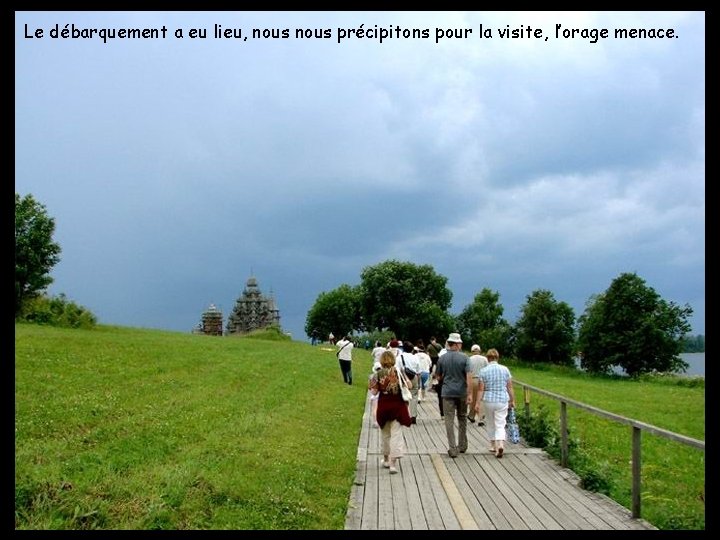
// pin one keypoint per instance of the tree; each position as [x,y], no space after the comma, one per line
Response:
[411,300]
[482,322]
[35,251]
[631,326]
[545,330]
[337,311]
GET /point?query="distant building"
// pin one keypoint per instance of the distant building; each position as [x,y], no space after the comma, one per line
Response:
[252,311]
[212,322]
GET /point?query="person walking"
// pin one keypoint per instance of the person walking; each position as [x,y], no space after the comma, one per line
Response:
[392,410]
[377,352]
[433,349]
[454,370]
[425,365]
[374,395]
[477,362]
[344,354]
[407,359]
[438,350]
[496,393]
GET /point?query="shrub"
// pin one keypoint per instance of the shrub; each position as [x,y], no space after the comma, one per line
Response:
[272,333]
[57,311]
[536,428]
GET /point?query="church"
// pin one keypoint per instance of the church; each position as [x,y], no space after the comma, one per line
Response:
[252,311]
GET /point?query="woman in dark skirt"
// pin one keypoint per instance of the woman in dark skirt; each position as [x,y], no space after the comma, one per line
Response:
[392,410]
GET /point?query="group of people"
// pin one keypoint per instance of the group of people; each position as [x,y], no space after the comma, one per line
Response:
[474,388]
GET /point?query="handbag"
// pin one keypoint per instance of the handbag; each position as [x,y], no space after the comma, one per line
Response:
[404,390]
[408,371]
[511,426]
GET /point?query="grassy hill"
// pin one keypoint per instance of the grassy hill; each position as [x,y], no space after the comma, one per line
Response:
[126,428]
[121,428]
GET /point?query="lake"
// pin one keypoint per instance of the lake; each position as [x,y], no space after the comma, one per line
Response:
[696,361]
[696,364]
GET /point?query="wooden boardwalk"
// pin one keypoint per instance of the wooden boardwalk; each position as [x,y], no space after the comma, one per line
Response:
[525,489]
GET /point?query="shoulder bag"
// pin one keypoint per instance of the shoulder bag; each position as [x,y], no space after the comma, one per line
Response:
[408,371]
[404,390]
[341,348]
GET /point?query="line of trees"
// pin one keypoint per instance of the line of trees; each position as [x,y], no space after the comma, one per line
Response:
[693,344]
[628,326]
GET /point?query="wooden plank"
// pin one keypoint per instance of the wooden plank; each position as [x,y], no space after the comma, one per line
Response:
[558,509]
[496,475]
[570,484]
[500,513]
[568,488]
[399,502]
[518,487]
[464,517]
[370,506]
[474,495]
[413,495]
[353,518]
[423,469]
[558,503]
[524,490]
[445,510]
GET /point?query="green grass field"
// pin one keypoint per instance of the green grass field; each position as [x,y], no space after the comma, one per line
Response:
[126,428]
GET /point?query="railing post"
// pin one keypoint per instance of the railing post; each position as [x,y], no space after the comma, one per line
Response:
[636,467]
[526,399]
[563,434]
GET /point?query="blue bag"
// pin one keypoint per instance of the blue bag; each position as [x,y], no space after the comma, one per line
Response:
[511,427]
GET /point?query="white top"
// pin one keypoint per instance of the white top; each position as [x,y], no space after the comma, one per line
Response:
[477,362]
[377,353]
[411,361]
[425,361]
[345,351]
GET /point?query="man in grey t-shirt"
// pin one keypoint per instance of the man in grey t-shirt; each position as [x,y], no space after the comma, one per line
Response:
[456,373]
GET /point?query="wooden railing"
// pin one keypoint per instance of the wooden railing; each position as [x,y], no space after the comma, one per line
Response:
[637,428]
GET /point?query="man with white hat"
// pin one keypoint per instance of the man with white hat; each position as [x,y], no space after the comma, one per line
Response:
[456,374]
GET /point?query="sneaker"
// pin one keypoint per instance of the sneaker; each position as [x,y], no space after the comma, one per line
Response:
[481,423]
[463,450]
[453,453]
[413,420]
[393,470]
[471,420]
[385,464]
[499,452]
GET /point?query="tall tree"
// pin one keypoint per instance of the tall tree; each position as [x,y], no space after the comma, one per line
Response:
[545,330]
[411,300]
[482,322]
[631,326]
[336,311]
[35,251]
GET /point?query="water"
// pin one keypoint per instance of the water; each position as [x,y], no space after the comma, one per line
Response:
[696,361]
[696,364]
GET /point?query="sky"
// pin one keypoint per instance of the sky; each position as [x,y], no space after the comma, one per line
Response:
[176,168]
